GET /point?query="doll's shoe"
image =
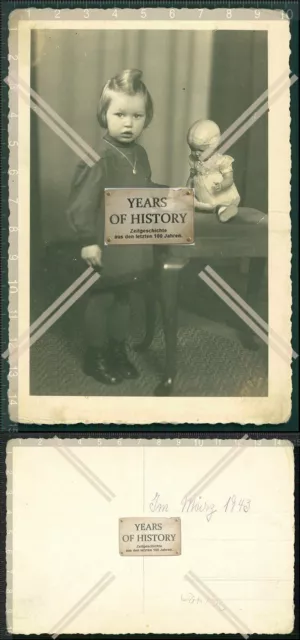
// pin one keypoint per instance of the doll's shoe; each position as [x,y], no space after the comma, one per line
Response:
[96,364]
[225,213]
[120,362]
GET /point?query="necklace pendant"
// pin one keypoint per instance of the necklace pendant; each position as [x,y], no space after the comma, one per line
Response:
[134,171]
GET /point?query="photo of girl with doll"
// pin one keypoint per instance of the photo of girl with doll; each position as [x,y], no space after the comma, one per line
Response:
[125,109]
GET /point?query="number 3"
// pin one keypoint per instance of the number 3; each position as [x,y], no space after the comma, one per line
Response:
[247,505]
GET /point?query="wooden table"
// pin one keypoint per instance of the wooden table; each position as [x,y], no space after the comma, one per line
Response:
[245,236]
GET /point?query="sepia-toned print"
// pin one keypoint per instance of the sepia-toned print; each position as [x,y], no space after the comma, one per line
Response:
[153,213]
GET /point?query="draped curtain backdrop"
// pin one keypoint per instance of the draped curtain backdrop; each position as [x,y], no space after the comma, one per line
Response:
[190,75]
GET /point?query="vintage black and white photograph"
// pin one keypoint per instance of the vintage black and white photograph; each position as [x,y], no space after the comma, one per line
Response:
[158,308]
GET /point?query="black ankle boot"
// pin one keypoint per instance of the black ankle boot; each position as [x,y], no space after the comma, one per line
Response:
[97,365]
[120,362]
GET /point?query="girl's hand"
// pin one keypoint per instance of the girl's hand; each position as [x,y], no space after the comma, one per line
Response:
[92,255]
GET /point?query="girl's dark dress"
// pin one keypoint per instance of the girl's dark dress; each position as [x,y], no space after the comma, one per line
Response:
[108,313]
[86,206]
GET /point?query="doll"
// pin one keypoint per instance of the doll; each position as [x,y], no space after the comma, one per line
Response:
[212,176]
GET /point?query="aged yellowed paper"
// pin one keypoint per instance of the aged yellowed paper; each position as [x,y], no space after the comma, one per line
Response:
[235,504]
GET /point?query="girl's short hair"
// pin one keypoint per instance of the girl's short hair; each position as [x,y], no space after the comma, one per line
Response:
[129,82]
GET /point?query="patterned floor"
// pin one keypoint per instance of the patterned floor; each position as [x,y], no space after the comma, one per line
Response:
[211,359]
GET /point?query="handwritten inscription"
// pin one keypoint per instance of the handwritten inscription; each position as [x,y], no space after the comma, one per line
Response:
[190,598]
[155,505]
[198,504]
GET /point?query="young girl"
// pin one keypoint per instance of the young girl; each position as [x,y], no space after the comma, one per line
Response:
[212,176]
[125,109]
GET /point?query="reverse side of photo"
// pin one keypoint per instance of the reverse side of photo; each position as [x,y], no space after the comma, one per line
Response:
[195,538]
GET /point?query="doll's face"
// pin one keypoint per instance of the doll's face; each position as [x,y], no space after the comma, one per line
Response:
[126,116]
[196,152]
[195,158]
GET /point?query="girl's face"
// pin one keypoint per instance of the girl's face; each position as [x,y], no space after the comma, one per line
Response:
[126,116]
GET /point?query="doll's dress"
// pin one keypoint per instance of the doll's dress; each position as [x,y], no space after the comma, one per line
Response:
[211,171]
